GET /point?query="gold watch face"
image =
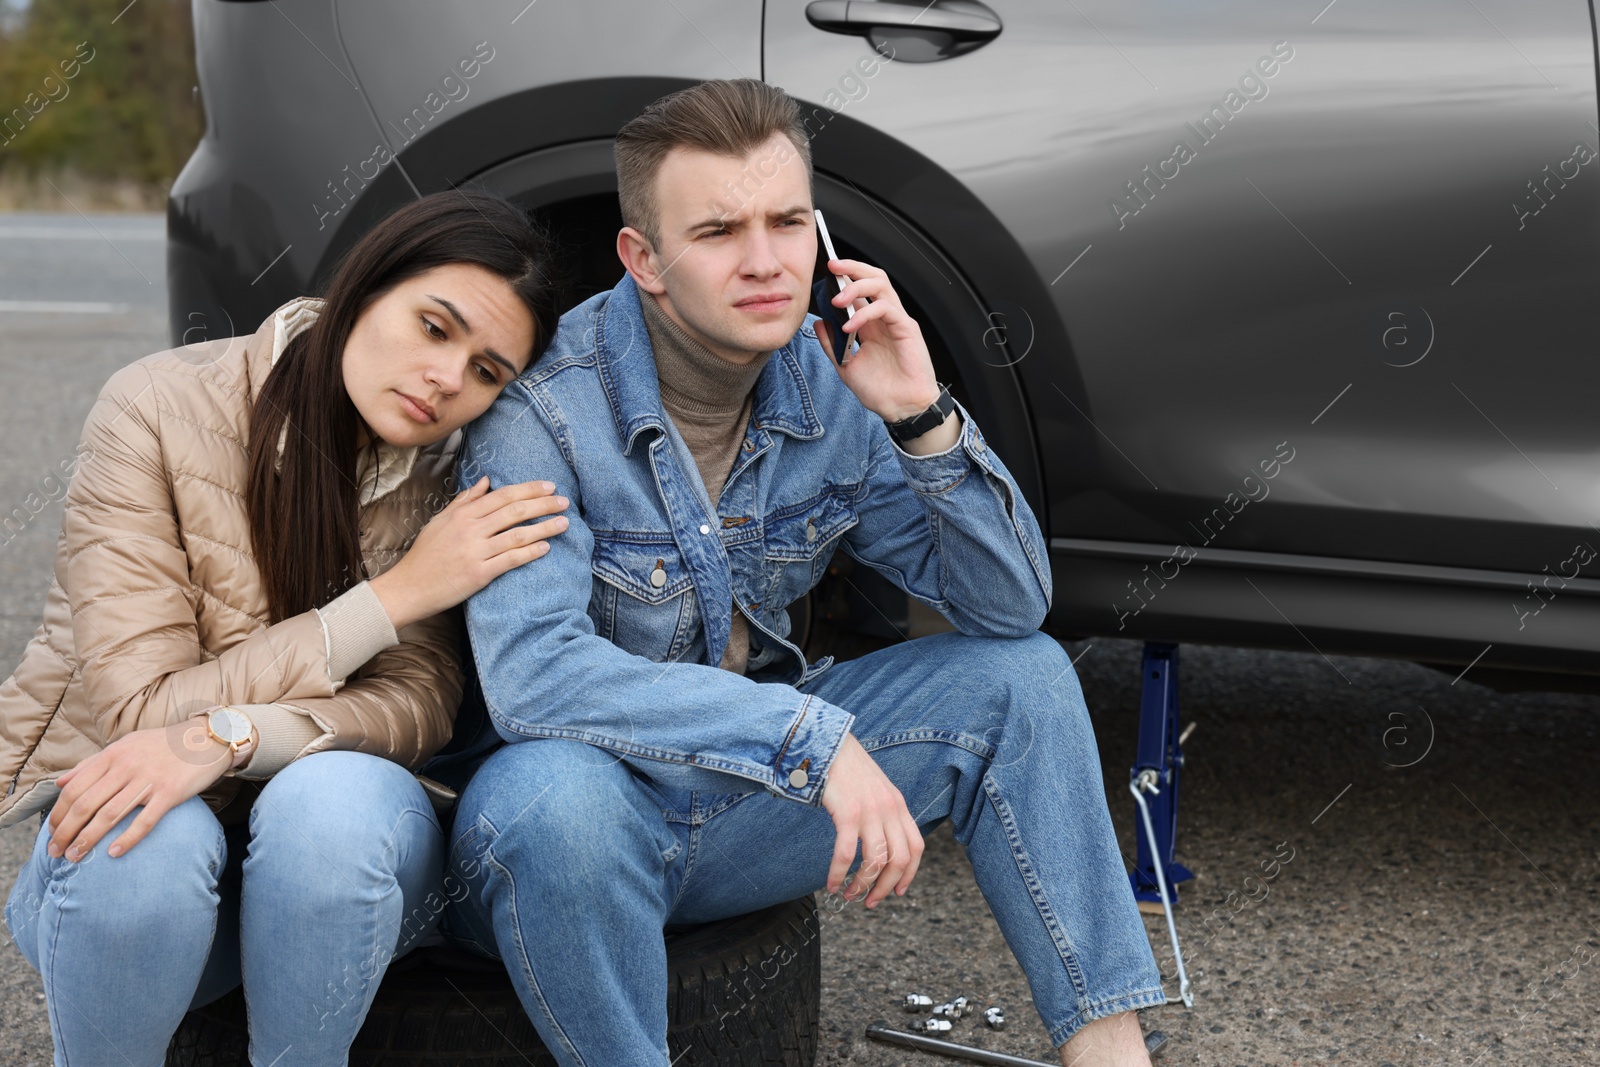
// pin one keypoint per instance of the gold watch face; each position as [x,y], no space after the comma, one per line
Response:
[230,725]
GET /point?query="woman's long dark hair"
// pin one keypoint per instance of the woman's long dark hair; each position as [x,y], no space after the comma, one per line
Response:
[304,507]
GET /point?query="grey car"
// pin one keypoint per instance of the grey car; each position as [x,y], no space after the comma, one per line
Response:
[1280,313]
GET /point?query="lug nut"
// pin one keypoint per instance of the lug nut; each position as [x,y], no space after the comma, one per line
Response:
[932,1025]
[916,1002]
[996,1018]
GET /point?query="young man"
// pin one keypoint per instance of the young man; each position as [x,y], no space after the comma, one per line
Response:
[674,759]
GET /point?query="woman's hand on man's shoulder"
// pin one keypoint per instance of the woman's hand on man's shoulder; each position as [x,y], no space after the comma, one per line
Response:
[476,538]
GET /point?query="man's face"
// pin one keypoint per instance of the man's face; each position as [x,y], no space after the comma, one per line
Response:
[737,247]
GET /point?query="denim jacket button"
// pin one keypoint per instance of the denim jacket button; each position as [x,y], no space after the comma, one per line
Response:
[977,443]
[811,532]
[658,577]
[798,778]
[704,528]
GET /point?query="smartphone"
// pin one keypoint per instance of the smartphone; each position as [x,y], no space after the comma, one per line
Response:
[831,318]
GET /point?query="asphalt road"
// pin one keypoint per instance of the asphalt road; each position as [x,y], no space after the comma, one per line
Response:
[1438,913]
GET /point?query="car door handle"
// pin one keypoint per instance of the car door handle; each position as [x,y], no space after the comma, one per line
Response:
[961,20]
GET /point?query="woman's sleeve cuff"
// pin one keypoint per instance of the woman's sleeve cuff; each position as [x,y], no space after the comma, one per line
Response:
[283,732]
[355,627]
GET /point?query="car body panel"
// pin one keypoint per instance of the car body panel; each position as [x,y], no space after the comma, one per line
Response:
[1241,297]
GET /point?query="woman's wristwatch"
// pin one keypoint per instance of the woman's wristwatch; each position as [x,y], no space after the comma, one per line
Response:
[233,728]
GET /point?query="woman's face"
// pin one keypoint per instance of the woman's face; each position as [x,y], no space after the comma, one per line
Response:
[430,355]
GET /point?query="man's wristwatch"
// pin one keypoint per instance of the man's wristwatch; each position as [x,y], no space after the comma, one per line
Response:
[233,728]
[933,415]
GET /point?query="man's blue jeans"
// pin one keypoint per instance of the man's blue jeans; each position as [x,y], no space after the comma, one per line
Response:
[337,872]
[574,862]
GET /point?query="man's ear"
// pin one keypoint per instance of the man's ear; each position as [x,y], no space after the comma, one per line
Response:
[640,260]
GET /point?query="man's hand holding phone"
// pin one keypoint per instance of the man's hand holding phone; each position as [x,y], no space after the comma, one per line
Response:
[891,372]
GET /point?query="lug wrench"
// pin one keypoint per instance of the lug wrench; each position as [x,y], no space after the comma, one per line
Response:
[1154,1041]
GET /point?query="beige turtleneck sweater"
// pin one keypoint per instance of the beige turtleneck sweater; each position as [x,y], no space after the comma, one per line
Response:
[708,399]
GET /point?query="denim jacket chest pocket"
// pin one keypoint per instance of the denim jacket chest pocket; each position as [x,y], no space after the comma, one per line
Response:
[800,540]
[643,598]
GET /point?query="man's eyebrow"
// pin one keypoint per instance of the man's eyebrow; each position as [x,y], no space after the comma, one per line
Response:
[456,314]
[714,220]
[722,220]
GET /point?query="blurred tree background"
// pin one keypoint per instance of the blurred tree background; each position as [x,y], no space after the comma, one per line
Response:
[118,132]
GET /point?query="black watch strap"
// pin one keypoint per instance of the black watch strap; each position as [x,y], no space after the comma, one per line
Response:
[933,415]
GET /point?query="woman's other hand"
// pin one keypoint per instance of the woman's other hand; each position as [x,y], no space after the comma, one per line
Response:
[159,768]
[474,540]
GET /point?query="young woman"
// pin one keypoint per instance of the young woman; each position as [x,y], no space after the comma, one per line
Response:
[249,645]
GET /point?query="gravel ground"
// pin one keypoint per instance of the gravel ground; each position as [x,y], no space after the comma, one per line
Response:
[1437,913]
[1430,916]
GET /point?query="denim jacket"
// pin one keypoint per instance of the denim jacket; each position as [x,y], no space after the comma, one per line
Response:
[613,637]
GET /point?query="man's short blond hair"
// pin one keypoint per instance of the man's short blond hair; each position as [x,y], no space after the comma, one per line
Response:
[726,117]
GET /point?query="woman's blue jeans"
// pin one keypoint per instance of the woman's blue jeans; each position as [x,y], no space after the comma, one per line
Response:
[574,861]
[337,872]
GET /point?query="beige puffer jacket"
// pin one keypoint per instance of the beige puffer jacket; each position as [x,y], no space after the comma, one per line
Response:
[157,607]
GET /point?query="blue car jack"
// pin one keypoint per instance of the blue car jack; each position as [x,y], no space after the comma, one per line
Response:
[1156,873]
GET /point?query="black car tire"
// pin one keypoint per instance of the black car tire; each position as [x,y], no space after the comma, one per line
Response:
[744,991]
